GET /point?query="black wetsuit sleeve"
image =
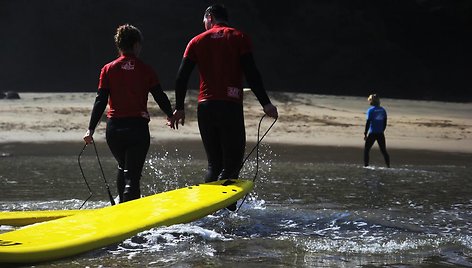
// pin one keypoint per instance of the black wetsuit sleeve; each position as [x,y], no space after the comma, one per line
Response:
[99,107]
[367,125]
[162,100]
[183,75]
[254,79]
[385,123]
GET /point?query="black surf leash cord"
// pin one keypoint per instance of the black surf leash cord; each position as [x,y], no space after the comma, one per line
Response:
[256,147]
[83,176]
[112,201]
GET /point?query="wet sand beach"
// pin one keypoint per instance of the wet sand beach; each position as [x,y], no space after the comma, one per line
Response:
[311,128]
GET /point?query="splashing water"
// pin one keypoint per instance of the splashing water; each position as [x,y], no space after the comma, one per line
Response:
[302,214]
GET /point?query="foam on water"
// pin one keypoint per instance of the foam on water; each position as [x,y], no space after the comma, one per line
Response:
[376,245]
[6,228]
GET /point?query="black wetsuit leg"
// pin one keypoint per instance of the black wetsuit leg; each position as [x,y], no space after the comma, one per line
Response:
[369,142]
[129,140]
[120,183]
[383,148]
[221,125]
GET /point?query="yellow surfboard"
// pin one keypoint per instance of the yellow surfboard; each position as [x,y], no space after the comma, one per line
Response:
[22,218]
[71,235]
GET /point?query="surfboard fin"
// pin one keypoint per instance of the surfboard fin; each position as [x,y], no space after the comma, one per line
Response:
[232,207]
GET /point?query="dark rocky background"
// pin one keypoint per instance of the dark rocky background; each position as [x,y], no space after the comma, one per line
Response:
[415,49]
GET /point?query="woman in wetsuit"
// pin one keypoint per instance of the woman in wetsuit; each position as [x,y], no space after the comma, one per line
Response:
[124,85]
[374,129]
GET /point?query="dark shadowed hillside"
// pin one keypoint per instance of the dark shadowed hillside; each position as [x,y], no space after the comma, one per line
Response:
[403,49]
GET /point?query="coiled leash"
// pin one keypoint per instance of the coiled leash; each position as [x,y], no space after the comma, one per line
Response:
[112,201]
[256,147]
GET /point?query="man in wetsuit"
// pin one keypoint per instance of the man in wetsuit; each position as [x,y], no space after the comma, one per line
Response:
[223,55]
[125,84]
[375,126]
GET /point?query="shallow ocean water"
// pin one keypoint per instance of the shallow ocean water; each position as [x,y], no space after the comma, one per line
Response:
[304,211]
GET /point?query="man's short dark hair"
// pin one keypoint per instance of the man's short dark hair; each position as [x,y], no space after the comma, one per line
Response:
[218,11]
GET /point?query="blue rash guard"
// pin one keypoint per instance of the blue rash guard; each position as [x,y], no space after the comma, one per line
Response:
[377,116]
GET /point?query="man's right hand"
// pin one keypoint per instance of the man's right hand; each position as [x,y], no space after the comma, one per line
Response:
[271,110]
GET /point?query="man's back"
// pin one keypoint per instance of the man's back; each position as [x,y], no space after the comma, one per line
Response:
[217,53]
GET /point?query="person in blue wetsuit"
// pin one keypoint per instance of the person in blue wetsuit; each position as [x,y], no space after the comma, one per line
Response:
[374,129]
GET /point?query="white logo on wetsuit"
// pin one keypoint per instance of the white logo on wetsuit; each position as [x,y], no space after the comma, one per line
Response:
[219,34]
[378,114]
[233,92]
[129,65]
[379,117]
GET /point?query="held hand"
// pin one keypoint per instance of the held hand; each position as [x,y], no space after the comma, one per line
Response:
[170,122]
[365,136]
[271,110]
[88,137]
[179,116]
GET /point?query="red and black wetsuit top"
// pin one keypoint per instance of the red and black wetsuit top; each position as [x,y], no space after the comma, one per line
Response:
[224,57]
[125,84]
[217,53]
[129,81]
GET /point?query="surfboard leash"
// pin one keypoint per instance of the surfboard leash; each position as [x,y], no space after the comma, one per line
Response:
[112,201]
[256,147]
[83,176]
